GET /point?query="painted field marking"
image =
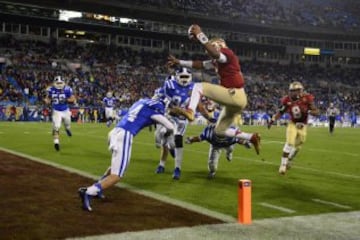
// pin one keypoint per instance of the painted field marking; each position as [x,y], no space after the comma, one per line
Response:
[251,159]
[282,209]
[331,203]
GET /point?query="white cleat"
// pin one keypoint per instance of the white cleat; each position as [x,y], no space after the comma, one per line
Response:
[282,169]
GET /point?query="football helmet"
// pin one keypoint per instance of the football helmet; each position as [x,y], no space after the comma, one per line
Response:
[183,76]
[296,90]
[109,94]
[59,82]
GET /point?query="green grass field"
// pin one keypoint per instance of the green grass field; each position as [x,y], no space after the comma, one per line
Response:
[325,176]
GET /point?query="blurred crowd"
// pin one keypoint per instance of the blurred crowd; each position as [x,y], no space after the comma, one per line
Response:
[92,70]
[317,13]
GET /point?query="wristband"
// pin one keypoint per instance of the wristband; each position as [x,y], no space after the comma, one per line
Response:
[202,38]
[187,64]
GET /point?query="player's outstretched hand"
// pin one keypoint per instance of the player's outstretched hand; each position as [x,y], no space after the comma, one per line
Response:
[172,61]
[188,140]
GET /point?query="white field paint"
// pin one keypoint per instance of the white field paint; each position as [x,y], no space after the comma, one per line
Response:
[331,203]
[250,159]
[281,209]
[246,159]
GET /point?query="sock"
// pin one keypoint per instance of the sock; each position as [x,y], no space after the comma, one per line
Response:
[94,189]
[56,141]
[178,157]
[162,163]
[284,161]
[195,96]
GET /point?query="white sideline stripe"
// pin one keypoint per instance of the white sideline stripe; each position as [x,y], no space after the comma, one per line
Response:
[185,205]
[331,203]
[282,209]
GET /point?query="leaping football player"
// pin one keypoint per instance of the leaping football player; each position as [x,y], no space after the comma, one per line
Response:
[230,93]
[59,95]
[298,104]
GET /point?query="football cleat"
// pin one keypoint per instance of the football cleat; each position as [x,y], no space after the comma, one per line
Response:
[211,175]
[255,140]
[85,199]
[187,113]
[57,146]
[177,173]
[229,156]
[160,169]
[68,132]
[282,169]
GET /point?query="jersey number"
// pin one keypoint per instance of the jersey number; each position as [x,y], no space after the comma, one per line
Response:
[296,112]
[58,98]
[134,112]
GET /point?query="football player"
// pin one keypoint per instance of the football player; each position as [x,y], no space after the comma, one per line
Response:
[142,113]
[109,104]
[230,93]
[59,95]
[217,143]
[298,105]
[177,90]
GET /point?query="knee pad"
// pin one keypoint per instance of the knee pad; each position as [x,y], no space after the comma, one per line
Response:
[287,148]
[178,141]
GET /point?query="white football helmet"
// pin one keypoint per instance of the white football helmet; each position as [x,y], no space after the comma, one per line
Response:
[59,82]
[183,76]
[109,94]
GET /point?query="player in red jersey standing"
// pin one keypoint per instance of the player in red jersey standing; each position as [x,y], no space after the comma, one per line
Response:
[230,93]
[298,105]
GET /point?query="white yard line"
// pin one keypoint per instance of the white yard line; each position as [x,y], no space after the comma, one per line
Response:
[331,203]
[281,209]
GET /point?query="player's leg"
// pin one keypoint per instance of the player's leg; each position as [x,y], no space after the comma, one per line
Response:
[109,116]
[56,124]
[180,128]
[226,119]
[291,133]
[299,141]
[66,116]
[229,152]
[213,161]
[162,143]
[120,145]
[235,97]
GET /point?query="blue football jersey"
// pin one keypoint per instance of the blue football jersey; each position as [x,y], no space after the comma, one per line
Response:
[176,94]
[209,135]
[109,102]
[139,115]
[59,97]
